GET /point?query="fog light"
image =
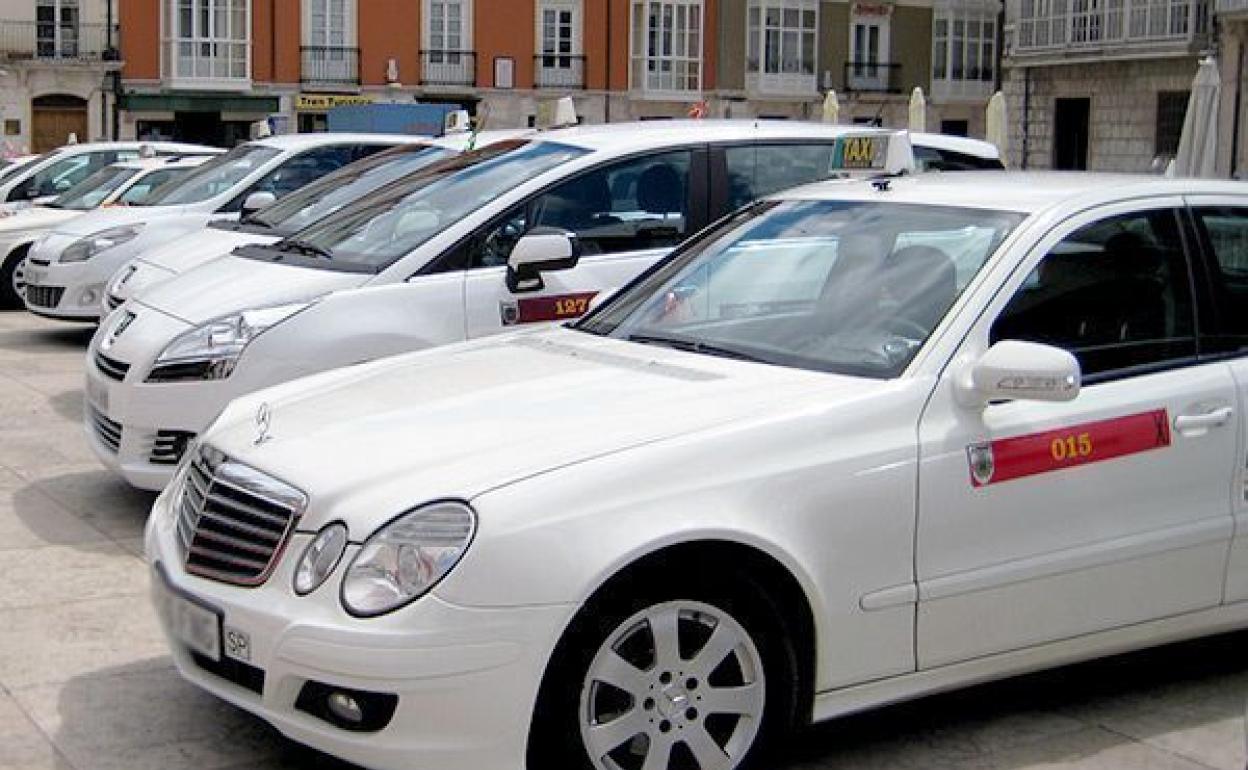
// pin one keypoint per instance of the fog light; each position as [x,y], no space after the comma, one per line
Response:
[90,296]
[345,708]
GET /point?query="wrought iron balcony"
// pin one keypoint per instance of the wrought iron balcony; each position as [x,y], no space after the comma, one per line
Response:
[47,41]
[555,70]
[448,68]
[329,65]
[873,77]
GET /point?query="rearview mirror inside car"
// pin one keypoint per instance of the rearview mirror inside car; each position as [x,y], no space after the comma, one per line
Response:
[1028,371]
[541,250]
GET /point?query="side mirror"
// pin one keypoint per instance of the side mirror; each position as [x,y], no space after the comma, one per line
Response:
[254,202]
[1024,370]
[541,250]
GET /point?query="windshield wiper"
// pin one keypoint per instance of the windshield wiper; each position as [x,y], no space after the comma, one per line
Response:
[693,346]
[303,247]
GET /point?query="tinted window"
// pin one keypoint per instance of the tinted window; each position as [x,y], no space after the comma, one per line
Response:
[92,191]
[932,159]
[758,171]
[145,187]
[1226,233]
[215,177]
[641,203]
[1116,294]
[302,169]
[63,174]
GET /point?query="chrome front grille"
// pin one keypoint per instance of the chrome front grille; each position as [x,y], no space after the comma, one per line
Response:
[233,520]
[111,367]
[44,296]
[106,430]
[169,445]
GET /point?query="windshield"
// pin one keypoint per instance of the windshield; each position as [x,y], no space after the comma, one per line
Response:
[138,193]
[92,191]
[848,287]
[375,232]
[322,198]
[215,177]
[13,168]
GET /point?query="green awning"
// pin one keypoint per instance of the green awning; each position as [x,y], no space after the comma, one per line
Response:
[200,102]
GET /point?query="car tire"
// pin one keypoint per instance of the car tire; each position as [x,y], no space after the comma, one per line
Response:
[725,714]
[12,282]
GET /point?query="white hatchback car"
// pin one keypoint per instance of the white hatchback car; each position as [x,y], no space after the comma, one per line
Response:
[854,444]
[426,262]
[122,184]
[68,269]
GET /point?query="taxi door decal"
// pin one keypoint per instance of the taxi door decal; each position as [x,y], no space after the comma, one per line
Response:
[557,307]
[993,462]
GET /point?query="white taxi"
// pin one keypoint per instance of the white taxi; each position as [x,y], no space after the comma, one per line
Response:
[121,184]
[454,251]
[857,443]
[75,261]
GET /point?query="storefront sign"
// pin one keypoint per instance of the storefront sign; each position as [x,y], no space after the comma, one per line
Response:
[326,102]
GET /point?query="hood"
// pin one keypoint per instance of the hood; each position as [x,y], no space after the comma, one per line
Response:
[227,285]
[366,443]
[199,247]
[116,216]
[36,218]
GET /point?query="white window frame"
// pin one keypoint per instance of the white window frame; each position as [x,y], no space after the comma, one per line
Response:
[952,52]
[758,32]
[204,45]
[63,45]
[337,62]
[567,68]
[642,80]
[350,28]
[446,64]
[873,78]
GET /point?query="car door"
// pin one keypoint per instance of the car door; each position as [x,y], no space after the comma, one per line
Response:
[626,215]
[1222,225]
[1046,521]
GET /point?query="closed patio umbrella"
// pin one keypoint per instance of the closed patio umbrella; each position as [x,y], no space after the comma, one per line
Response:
[831,108]
[918,110]
[997,128]
[1198,144]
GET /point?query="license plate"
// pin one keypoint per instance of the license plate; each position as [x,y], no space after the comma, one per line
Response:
[192,624]
[97,395]
[35,277]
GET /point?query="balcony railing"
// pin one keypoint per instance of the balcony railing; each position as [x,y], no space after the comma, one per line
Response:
[873,77]
[1066,25]
[1227,7]
[554,70]
[32,40]
[448,68]
[802,84]
[329,65]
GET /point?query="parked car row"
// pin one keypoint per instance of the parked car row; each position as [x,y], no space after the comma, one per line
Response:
[815,432]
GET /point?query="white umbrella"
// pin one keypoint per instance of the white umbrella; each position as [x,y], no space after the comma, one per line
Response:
[1198,144]
[831,108]
[998,130]
[918,110]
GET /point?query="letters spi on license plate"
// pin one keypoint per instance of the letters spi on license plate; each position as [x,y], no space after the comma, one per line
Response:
[192,624]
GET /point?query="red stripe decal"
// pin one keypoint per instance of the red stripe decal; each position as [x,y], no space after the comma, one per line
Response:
[1017,457]
[557,307]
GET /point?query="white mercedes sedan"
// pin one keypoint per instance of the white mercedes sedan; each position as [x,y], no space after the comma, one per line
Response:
[857,443]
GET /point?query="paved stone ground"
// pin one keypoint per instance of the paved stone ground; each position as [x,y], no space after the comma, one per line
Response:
[85,683]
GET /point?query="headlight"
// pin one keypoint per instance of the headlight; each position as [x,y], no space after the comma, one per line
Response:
[211,351]
[320,558]
[405,559]
[86,248]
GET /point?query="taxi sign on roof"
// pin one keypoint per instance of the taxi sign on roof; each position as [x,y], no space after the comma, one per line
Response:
[875,153]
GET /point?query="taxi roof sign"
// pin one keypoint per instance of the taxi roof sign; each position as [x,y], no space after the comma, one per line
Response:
[872,153]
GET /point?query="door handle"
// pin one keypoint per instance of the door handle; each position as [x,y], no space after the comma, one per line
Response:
[1195,424]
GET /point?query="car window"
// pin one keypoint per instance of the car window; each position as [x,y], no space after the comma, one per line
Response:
[1226,233]
[755,171]
[300,170]
[932,159]
[92,191]
[62,175]
[215,177]
[637,204]
[142,189]
[1116,294]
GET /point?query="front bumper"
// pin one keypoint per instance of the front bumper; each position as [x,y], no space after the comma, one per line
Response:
[466,678]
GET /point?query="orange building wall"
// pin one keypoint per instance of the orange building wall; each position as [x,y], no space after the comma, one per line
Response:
[140,39]
[506,29]
[276,33]
[389,29]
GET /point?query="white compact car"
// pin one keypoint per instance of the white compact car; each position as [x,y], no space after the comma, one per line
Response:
[425,262]
[857,443]
[122,184]
[68,269]
[286,217]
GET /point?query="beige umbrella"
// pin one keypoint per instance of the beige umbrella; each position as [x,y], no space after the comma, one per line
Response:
[831,108]
[918,110]
[998,130]
[1198,144]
